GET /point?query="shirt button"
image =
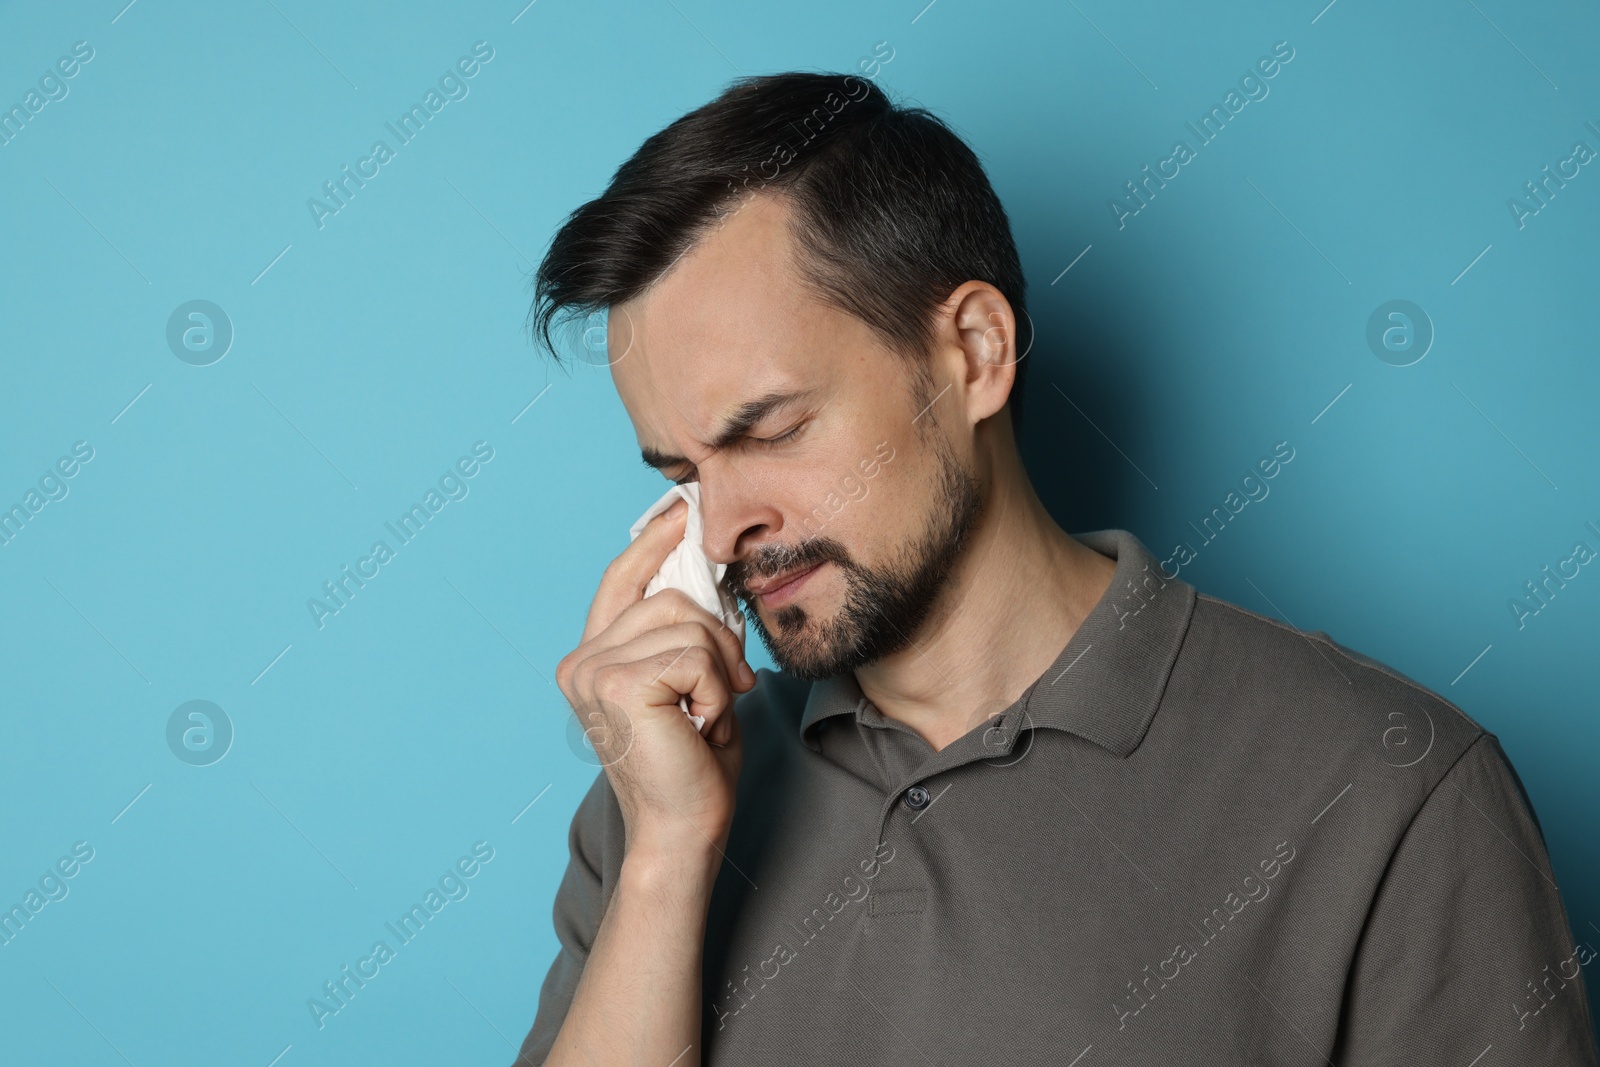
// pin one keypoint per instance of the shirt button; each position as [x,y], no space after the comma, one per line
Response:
[916,798]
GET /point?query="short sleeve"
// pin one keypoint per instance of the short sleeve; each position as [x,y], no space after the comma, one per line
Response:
[579,906]
[1467,946]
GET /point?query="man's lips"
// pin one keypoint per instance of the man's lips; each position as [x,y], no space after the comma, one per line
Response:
[759,586]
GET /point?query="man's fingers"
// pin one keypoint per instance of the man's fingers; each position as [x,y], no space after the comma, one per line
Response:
[668,609]
[627,575]
[724,731]
[657,679]
[677,637]
[693,671]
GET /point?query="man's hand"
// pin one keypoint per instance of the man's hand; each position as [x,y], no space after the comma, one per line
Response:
[676,787]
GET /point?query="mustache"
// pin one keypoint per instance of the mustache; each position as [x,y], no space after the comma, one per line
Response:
[776,559]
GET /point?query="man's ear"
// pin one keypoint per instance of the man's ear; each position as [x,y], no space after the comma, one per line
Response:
[986,332]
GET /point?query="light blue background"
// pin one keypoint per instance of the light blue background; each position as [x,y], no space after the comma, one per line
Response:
[1228,315]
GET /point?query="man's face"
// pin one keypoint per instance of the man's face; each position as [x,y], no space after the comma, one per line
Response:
[845,476]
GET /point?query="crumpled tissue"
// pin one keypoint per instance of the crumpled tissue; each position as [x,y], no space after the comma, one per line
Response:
[686,568]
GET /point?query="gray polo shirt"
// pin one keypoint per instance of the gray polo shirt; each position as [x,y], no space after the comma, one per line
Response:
[1201,837]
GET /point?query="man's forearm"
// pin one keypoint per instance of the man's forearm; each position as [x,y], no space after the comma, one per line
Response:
[639,998]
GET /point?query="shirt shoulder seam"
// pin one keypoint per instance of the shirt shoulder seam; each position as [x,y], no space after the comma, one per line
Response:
[1405,832]
[1375,665]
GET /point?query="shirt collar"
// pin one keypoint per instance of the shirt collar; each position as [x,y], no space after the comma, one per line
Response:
[1106,684]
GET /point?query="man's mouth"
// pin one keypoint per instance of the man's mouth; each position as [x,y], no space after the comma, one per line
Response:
[780,587]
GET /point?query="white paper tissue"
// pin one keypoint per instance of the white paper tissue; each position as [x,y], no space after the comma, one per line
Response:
[687,568]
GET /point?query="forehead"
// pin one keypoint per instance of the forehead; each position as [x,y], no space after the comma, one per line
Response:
[728,322]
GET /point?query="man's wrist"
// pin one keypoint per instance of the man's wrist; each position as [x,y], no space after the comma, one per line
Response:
[658,866]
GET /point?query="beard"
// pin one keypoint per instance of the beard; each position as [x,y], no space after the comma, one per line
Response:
[884,606]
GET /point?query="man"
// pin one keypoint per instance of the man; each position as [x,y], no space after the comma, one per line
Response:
[1014,797]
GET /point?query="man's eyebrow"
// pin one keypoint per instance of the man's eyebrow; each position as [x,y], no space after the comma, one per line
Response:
[736,426]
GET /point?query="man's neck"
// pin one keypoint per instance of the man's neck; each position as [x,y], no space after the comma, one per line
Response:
[1020,590]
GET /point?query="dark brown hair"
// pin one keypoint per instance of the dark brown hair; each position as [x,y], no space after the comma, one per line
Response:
[892,210]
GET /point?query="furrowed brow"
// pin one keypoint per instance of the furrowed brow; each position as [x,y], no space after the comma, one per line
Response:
[734,427]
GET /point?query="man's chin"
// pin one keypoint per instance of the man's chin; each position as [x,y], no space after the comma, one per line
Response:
[806,668]
[794,643]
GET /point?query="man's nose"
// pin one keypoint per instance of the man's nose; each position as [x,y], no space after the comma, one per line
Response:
[734,511]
